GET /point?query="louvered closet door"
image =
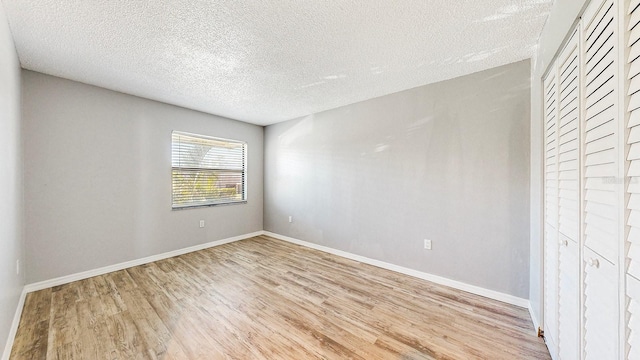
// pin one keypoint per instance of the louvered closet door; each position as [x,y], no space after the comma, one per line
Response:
[601,138]
[601,314]
[633,205]
[551,150]
[633,301]
[569,300]
[569,208]
[551,213]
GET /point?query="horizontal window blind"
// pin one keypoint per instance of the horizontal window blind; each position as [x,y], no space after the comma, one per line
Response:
[206,170]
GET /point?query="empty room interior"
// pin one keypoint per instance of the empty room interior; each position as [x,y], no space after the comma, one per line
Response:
[320,180]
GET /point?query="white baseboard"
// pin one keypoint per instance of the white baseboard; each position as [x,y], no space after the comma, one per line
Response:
[101,271]
[534,319]
[491,294]
[14,326]
[127,264]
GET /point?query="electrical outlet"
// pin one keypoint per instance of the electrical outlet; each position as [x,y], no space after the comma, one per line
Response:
[18,267]
[290,218]
[201,223]
[427,244]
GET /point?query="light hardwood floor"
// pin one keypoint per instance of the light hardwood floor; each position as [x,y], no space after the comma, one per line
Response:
[262,298]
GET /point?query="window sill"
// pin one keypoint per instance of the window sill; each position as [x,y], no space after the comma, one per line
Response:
[208,205]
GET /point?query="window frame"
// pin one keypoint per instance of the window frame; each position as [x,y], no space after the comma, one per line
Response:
[244,172]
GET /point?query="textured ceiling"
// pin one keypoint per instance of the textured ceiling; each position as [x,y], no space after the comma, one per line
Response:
[265,61]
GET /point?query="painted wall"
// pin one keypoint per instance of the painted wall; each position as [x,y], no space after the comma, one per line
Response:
[447,161]
[10,180]
[562,17]
[98,178]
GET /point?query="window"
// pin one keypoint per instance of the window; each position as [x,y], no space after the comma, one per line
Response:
[207,171]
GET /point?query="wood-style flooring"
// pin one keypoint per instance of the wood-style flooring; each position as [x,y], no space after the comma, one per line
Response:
[262,298]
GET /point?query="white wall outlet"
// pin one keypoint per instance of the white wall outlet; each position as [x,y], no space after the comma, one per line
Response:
[290,218]
[427,244]
[201,223]
[18,267]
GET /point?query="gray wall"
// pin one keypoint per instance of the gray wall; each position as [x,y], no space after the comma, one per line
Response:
[447,161]
[10,180]
[563,14]
[98,178]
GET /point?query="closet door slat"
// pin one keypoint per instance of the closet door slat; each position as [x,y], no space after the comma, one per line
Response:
[601,146]
[552,197]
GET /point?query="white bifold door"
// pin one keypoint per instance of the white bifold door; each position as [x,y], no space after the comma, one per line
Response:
[551,246]
[632,55]
[569,200]
[583,201]
[562,204]
[602,201]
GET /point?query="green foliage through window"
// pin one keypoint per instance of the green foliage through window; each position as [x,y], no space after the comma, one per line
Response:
[207,171]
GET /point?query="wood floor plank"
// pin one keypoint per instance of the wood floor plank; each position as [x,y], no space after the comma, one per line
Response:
[156,336]
[262,298]
[35,325]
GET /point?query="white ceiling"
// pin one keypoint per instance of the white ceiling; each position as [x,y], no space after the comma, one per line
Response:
[265,61]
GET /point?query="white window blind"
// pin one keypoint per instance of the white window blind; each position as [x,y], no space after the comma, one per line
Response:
[207,171]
